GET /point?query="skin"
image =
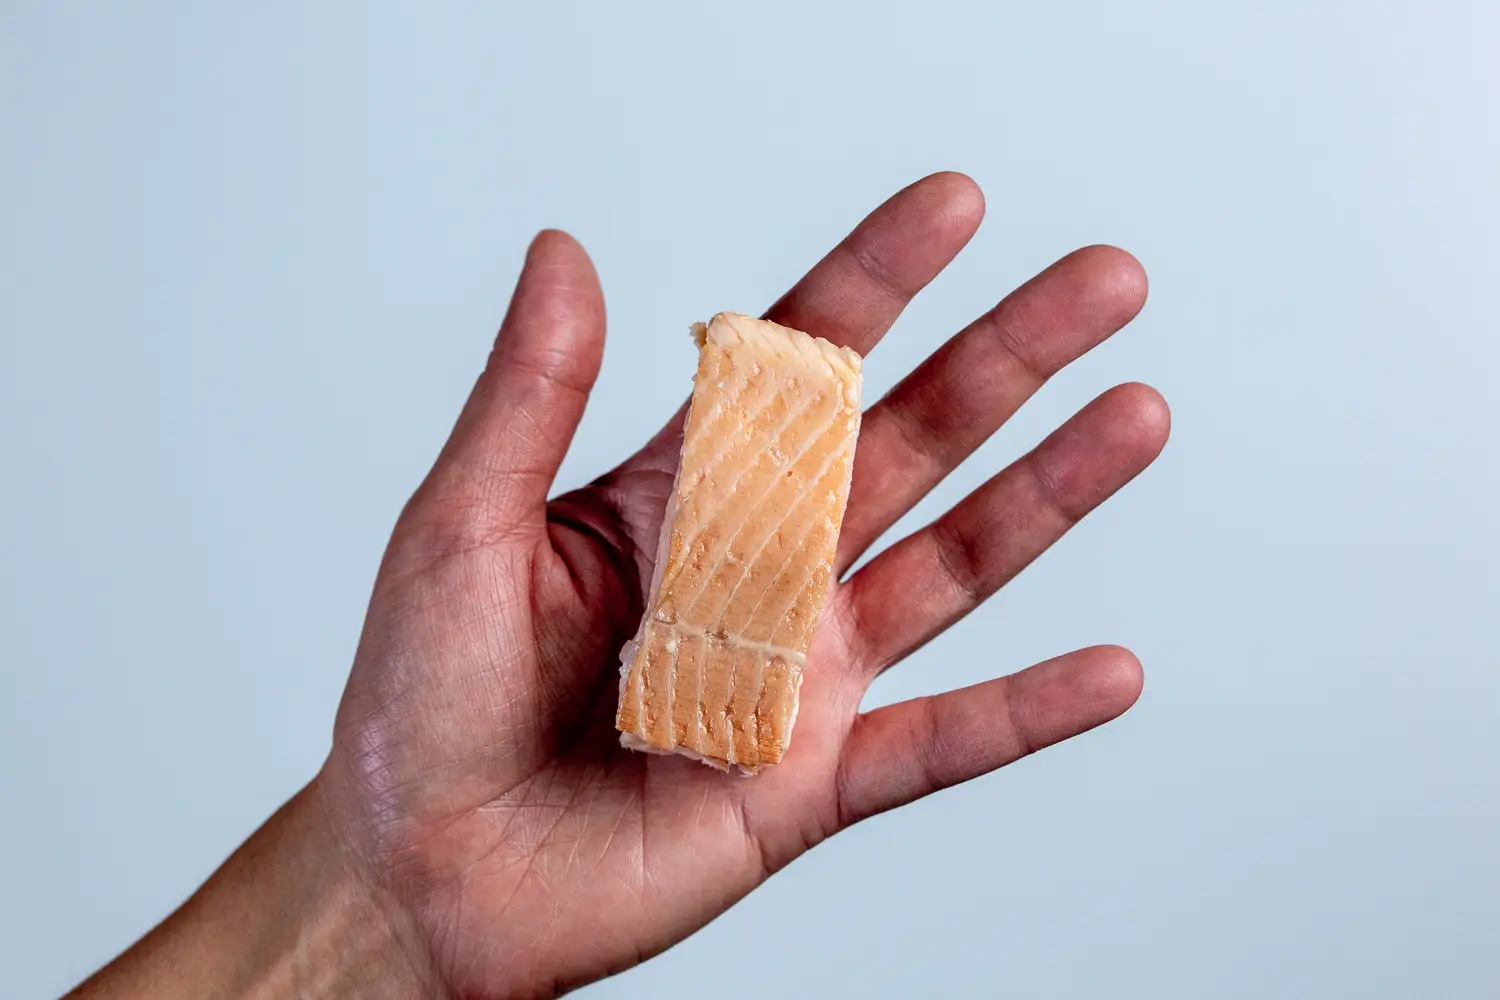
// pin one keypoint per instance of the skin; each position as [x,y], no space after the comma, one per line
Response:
[477,831]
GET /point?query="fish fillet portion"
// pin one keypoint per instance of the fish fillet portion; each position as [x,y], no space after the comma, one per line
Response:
[746,554]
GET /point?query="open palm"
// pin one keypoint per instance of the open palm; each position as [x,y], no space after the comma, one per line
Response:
[476,770]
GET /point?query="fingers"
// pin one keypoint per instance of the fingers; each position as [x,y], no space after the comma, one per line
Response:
[927,581]
[941,412]
[854,294]
[494,473]
[902,752]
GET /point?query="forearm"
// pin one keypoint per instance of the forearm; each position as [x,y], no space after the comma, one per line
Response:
[286,916]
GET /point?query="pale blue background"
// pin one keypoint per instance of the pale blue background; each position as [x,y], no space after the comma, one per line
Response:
[250,261]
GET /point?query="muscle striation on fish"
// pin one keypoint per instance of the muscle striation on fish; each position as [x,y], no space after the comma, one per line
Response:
[745,560]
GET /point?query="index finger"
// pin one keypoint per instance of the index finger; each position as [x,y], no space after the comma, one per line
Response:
[853,295]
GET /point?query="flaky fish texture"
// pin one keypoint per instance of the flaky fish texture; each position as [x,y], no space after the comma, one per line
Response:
[746,554]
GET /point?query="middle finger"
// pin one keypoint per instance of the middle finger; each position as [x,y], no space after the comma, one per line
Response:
[935,417]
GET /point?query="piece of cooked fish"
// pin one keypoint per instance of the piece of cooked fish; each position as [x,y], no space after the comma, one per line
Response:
[746,553]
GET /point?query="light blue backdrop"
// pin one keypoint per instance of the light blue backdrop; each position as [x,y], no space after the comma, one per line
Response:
[251,259]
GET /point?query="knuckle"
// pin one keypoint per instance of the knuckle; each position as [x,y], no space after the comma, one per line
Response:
[1052,491]
[961,560]
[927,749]
[872,263]
[1017,341]
[452,523]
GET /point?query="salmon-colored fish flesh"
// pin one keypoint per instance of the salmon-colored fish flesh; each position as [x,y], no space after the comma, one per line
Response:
[746,554]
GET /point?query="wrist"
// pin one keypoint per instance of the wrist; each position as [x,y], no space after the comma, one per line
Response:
[292,913]
[344,937]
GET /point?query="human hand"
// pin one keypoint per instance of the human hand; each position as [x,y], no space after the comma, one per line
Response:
[477,830]
[476,771]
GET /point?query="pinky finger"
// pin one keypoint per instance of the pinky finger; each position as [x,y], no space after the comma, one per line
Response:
[901,752]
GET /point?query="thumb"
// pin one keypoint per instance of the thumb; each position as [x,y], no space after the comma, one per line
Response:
[493,475]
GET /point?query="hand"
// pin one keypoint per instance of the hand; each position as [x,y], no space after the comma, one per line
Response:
[477,785]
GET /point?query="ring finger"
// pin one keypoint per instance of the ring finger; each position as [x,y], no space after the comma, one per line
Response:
[935,417]
[927,581]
